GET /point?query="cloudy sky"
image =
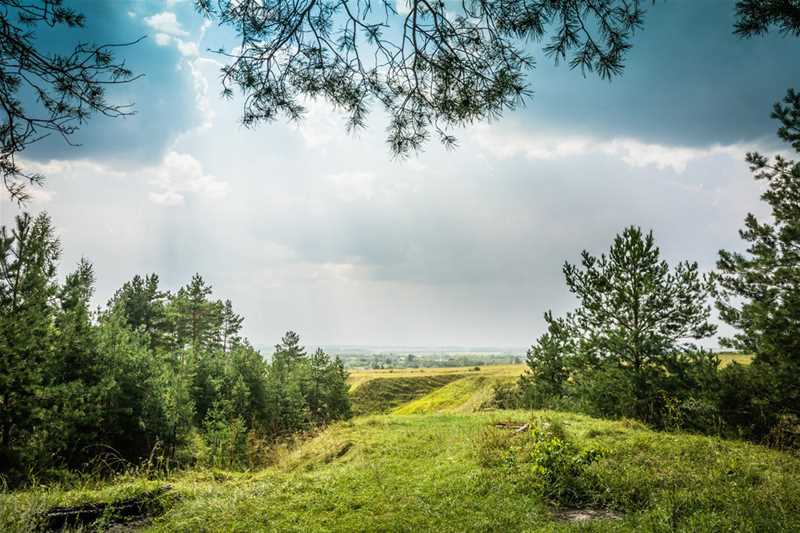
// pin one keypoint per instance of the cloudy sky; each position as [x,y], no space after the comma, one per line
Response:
[308,228]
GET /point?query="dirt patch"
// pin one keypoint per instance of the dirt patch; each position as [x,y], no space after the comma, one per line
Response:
[120,514]
[583,515]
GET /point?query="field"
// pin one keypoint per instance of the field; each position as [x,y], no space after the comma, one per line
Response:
[726,358]
[408,391]
[360,376]
[438,463]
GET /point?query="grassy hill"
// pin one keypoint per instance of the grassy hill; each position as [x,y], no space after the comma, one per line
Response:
[425,390]
[380,395]
[455,470]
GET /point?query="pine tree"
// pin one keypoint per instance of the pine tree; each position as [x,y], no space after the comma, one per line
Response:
[197,319]
[231,326]
[76,385]
[28,255]
[637,314]
[144,308]
[290,347]
[759,291]
[549,362]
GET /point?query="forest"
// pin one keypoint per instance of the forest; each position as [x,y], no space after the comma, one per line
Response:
[154,377]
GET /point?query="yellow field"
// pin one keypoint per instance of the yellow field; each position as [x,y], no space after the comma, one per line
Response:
[726,358]
[361,376]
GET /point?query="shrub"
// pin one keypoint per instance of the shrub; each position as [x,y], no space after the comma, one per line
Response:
[505,396]
[542,459]
[559,467]
[744,399]
[785,434]
[605,391]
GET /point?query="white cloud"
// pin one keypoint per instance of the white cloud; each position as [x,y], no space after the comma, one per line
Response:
[319,126]
[200,83]
[187,48]
[352,186]
[365,187]
[181,174]
[638,154]
[632,152]
[166,22]
[70,168]
[402,7]
[166,198]
[162,39]
[174,177]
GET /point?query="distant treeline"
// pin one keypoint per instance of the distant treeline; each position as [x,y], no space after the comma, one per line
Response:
[156,376]
[410,360]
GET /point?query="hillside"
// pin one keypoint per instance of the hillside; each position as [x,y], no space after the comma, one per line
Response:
[465,471]
[424,390]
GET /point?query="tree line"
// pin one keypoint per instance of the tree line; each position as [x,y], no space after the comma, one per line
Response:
[629,349]
[158,376]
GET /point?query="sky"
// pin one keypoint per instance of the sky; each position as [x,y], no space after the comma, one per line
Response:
[308,228]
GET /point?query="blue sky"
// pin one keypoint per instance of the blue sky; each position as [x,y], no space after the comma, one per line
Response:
[305,227]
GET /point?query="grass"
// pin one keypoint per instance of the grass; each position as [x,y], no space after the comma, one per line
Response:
[426,473]
[465,395]
[360,376]
[383,394]
[418,390]
[726,358]
[438,463]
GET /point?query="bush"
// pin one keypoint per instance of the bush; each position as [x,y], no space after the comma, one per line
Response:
[560,468]
[542,459]
[744,400]
[505,396]
[605,391]
[785,434]
[695,414]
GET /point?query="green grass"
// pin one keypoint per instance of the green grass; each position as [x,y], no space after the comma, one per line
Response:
[465,395]
[425,473]
[438,463]
[382,394]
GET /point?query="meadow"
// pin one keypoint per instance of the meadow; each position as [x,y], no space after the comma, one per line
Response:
[443,461]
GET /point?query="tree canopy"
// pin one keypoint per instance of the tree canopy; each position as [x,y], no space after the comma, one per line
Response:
[758,17]
[431,65]
[43,92]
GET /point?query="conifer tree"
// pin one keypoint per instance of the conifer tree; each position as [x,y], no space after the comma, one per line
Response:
[636,317]
[231,326]
[549,362]
[759,290]
[28,255]
[197,318]
[144,308]
[290,347]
